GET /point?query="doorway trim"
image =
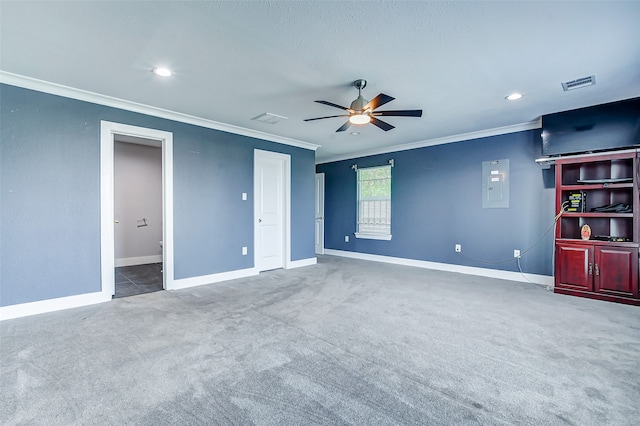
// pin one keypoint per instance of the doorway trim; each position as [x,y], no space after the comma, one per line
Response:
[319,222]
[108,131]
[285,159]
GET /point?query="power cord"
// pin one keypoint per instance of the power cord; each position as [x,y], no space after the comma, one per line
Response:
[522,273]
[563,206]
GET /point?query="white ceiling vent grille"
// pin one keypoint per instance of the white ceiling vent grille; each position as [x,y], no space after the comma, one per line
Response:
[269,118]
[579,82]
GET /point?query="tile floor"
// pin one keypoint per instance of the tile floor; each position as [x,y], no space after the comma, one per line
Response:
[138,279]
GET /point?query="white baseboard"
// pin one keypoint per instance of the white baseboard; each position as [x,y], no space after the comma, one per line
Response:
[141,260]
[213,278]
[50,305]
[301,263]
[232,275]
[545,280]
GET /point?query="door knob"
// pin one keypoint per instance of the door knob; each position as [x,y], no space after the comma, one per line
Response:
[259,220]
[116,221]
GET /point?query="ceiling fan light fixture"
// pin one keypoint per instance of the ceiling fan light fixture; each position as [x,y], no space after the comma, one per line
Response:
[163,72]
[359,104]
[360,119]
[364,112]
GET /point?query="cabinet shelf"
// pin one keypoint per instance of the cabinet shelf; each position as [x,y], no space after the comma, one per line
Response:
[596,214]
[586,187]
[597,242]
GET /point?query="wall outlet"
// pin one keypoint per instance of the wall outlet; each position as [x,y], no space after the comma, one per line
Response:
[244,251]
[346,238]
[244,196]
[458,248]
[516,253]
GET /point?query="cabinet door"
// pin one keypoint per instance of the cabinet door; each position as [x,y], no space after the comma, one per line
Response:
[616,271]
[574,266]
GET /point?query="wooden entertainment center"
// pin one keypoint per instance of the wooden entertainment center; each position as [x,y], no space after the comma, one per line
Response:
[596,252]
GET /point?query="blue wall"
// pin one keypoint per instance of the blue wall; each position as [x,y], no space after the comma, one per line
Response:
[437,203]
[50,196]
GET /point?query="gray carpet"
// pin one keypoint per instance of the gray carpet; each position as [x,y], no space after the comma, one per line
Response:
[342,342]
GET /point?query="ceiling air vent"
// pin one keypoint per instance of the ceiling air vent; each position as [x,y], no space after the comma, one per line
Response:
[269,118]
[579,82]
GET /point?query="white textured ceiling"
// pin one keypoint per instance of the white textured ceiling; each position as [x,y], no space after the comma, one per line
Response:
[235,60]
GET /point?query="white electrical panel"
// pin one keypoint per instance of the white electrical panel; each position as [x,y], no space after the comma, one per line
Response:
[495,184]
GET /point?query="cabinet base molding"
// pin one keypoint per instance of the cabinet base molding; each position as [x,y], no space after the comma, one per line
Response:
[597,296]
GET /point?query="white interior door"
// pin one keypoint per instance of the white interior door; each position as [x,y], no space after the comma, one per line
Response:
[319,213]
[269,179]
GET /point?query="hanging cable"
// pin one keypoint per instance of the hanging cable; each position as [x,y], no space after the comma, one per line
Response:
[564,205]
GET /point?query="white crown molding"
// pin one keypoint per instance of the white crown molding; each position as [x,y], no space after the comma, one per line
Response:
[96,98]
[536,124]
[544,280]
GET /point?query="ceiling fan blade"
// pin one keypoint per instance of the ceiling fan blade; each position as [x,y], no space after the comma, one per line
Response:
[384,126]
[333,105]
[329,116]
[378,101]
[399,113]
[344,127]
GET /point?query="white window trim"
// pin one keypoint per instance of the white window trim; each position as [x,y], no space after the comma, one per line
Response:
[386,237]
[370,235]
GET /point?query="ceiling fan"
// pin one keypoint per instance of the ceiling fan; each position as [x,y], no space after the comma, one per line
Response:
[362,111]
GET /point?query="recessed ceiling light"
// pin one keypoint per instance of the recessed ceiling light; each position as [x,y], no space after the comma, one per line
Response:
[163,72]
[355,133]
[514,96]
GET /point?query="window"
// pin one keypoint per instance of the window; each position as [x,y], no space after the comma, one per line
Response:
[374,203]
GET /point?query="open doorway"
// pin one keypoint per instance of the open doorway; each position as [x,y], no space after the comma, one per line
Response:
[140,252]
[137,204]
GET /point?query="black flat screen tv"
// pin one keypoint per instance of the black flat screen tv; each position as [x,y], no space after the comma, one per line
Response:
[602,127]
